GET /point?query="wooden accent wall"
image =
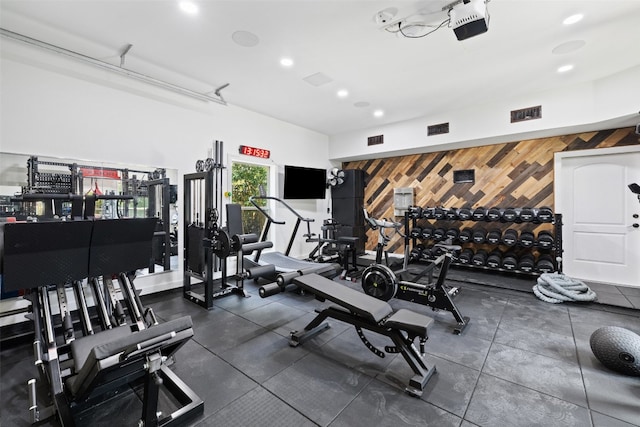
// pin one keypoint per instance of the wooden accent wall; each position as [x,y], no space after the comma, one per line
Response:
[515,174]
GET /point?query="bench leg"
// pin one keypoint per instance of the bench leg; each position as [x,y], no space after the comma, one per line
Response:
[422,372]
[315,327]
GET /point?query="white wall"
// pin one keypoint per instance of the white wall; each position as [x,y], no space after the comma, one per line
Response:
[606,103]
[53,105]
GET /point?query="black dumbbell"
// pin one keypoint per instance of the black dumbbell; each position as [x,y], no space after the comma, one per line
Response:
[526,215]
[464,213]
[451,214]
[416,232]
[545,239]
[479,235]
[416,252]
[545,264]
[526,239]
[510,237]
[510,261]
[427,232]
[493,214]
[438,213]
[480,258]
[479,214]
[466,256]
[510,215]
[452,234]
[439,233]
[494,260]
[526,262]
[544,214]
[415,212]
[494,236]
[465,235]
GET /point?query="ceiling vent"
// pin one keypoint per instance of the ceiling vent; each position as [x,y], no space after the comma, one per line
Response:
[524,114]
[375,140]
[438,129]
[318,79]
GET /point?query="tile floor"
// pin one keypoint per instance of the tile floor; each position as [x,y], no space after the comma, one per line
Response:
[520,362]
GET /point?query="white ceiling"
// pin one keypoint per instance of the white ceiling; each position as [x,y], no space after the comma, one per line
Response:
[406,78]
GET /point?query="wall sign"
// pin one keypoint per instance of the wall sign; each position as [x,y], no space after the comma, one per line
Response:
[255,152]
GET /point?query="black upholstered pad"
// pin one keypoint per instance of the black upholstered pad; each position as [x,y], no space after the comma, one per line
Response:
[356,302]
[410,321]
[87,351]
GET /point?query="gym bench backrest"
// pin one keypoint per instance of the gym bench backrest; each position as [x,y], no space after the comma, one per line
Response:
[119,355]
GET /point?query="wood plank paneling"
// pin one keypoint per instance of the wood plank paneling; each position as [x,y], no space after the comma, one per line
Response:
[516,174]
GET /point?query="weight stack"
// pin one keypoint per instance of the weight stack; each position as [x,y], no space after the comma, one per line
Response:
[347,203]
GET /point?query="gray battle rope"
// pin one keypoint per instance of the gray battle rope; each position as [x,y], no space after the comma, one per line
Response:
[556,288]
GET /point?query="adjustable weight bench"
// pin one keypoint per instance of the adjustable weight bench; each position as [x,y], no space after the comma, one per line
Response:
[366,312]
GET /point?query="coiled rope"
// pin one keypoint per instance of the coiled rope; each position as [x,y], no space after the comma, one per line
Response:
[556,288]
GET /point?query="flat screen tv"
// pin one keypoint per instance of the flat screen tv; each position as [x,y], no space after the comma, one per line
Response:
[304,183]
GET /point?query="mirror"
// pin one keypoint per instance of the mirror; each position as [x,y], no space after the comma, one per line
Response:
[40,188]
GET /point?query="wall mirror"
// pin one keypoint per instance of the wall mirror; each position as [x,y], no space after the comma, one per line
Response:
[41,188]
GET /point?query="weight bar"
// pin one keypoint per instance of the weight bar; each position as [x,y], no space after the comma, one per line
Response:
[510,237]
[494,236]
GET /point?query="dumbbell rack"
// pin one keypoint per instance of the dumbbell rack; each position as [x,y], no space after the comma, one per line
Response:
[449,220]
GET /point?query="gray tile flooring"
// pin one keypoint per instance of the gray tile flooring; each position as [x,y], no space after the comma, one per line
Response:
[521,362]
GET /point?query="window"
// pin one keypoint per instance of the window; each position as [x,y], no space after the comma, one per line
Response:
[246,180]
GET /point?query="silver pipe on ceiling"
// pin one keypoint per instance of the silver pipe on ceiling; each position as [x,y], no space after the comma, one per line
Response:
[110,67]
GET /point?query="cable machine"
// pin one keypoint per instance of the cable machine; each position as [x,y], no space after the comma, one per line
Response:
[207,245]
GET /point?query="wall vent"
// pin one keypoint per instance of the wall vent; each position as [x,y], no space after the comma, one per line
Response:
[526,114]
[438,129]
[375,140]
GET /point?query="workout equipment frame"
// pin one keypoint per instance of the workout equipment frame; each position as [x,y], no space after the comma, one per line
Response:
[85,351]
[382,282]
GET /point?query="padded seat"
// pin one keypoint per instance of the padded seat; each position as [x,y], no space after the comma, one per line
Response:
[409,321]
[89,351]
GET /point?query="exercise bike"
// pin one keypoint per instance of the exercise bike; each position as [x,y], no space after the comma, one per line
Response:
[380,281]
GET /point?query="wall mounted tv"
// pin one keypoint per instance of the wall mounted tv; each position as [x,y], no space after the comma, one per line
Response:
[304,183]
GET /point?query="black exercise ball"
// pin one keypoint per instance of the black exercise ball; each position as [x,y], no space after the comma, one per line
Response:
[617,349]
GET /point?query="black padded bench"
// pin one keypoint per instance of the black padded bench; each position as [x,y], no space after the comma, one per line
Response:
[118,356]
[366,312]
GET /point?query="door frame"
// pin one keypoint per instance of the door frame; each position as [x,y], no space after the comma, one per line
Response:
[562,155]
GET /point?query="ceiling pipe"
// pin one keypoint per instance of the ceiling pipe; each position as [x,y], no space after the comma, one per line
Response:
[110,67]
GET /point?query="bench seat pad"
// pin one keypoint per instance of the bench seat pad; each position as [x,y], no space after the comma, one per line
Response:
[86,351]
[356,302]
[410,321]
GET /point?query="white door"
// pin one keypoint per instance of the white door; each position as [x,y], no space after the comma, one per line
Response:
[601,231]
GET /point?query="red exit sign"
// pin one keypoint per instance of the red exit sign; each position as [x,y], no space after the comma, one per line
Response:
[255,152]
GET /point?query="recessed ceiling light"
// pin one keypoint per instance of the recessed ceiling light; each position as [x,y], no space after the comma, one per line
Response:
[565,68]
[573,19]
[188,7]
[378,113]
[286,62]
[343,93]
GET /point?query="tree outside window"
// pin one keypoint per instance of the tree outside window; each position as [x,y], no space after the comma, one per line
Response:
[246,180]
